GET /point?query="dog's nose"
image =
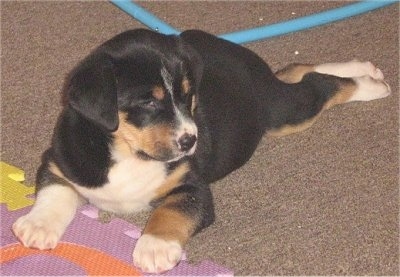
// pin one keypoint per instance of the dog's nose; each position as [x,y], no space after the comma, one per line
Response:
[186,142]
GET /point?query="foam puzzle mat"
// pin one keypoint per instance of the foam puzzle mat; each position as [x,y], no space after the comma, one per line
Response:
[88,248]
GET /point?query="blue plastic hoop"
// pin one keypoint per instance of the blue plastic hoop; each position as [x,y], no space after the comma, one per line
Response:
[263,32]
[145,17]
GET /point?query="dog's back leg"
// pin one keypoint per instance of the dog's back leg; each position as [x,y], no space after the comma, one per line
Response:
[293,73]
[350,69]
[310,89]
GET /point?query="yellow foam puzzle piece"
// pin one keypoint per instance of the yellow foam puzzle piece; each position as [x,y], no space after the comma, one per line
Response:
[13,191]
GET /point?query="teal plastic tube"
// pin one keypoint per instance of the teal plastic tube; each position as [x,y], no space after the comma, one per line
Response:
[145,17]
[305,22]
[262,32]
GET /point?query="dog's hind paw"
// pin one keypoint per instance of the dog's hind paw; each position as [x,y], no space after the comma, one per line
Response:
[40,233]
[373,71]
[155,255]
[369,88]
[351,69]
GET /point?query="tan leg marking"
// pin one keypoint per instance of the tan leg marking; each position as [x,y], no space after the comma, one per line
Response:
[346,91]
[160,247]
[289,129]
[173,180]
[56,171]
[168,223]
[294,73]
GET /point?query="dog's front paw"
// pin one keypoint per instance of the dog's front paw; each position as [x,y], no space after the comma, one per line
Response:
[155,255]
[37,232]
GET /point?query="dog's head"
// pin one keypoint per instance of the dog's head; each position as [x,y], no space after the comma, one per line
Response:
[141,87]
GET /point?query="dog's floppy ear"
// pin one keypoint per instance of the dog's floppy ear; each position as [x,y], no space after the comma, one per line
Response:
[196,63]
[197,66]
[92,91]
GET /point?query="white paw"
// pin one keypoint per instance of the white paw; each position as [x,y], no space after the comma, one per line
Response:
[37,232]
[369,69]
[155,255]
[350,69]
[369,89]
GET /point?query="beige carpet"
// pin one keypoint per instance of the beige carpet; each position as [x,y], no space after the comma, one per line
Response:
[322,202]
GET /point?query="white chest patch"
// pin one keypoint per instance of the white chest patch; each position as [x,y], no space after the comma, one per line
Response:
[131,187]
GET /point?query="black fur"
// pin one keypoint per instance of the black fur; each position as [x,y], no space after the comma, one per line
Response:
[238,99]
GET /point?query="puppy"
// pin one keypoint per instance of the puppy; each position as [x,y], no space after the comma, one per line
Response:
[151,120]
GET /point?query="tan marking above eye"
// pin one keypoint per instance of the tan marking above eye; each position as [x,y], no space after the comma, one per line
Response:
[185,85]
[158,93]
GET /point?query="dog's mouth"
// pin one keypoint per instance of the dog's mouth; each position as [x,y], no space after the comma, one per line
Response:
[142,155]
[166,155]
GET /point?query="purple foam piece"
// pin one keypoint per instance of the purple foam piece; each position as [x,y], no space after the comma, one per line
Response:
[52,266]
[116,239]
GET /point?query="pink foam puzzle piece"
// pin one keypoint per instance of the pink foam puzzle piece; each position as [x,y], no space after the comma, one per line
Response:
[205,268]
[13,192]
[116,238]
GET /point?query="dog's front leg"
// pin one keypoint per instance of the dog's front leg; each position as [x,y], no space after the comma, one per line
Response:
[170,226]
[52,212]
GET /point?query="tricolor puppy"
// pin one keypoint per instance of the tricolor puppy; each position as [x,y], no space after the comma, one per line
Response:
[151,120]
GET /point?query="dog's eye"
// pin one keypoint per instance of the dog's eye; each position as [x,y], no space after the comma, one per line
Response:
[151,105]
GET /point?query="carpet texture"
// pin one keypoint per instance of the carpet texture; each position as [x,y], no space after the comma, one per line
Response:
[321,202]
